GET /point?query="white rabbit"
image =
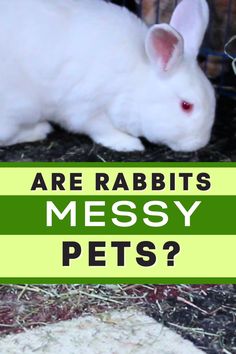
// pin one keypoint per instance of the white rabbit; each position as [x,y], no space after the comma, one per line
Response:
[94,68]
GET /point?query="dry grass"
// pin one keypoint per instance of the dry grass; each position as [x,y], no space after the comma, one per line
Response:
[206,315]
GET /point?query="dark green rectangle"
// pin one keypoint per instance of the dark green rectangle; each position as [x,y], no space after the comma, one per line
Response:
[27,216]
[117,164]
[160,281]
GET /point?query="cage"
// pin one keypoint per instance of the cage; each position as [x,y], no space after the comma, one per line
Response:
[219,46]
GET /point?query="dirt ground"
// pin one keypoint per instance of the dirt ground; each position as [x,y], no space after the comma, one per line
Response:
[205,315]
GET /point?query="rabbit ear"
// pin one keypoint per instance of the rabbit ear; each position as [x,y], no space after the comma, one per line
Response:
[190,19]
[164,47]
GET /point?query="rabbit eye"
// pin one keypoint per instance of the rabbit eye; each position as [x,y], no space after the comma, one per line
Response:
[186,106]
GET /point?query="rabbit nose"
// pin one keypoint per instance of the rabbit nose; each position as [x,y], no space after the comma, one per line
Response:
[190,144]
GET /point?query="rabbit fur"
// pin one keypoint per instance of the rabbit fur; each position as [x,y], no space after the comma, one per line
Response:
[95,68]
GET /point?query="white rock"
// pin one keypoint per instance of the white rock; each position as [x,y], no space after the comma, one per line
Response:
[125,332]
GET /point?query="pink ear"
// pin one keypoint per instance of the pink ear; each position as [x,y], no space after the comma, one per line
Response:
[164,46]
[190,19]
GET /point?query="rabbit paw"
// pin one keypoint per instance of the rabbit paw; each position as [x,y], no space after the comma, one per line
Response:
[120,142]
[38,132]
[101,130]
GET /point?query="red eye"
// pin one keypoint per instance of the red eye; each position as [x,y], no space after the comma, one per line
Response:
[186,106]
